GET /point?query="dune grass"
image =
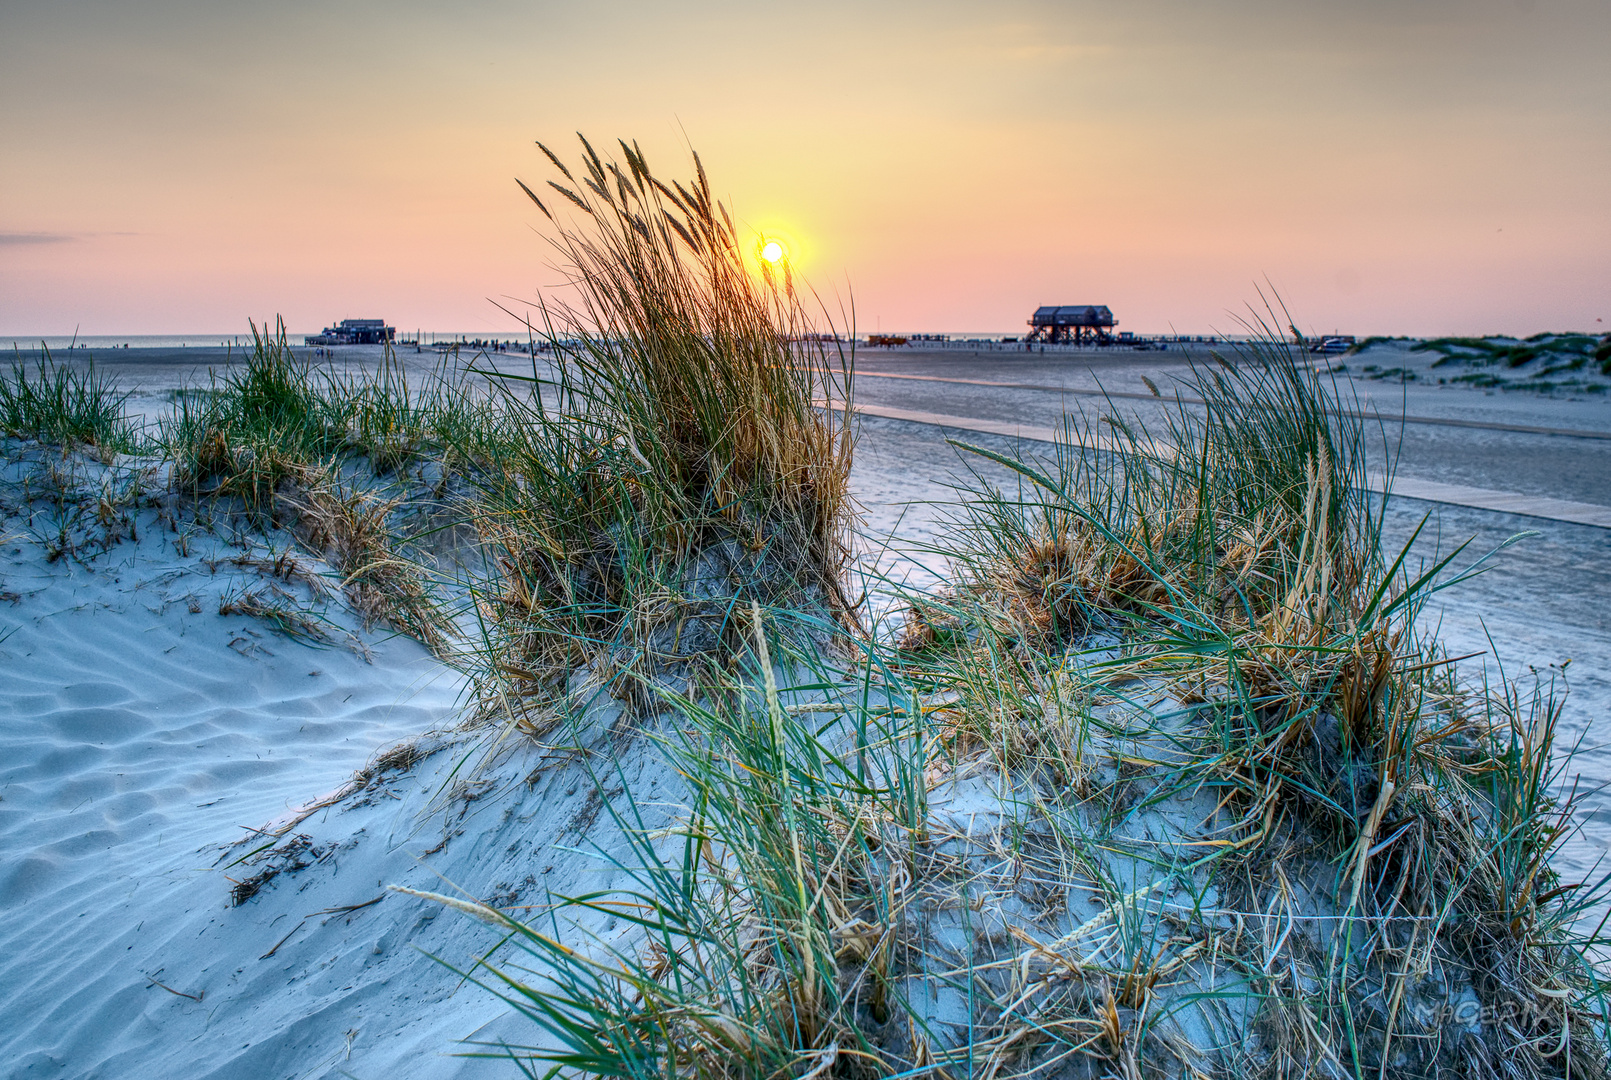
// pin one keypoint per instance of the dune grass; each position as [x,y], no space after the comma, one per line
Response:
[768,915]
[1554,352]
[673,469]
[1220,513]
[277,416]
[329,456]
[351,526]
[53,403]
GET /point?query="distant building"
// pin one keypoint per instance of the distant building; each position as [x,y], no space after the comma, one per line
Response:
[1076,323]
[354,332]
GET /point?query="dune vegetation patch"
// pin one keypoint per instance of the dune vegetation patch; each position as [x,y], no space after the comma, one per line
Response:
[355,471]
[676,471]
[1541,363]
[54,403]
[1211,603]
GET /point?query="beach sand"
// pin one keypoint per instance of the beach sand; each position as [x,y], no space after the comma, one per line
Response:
[147,742]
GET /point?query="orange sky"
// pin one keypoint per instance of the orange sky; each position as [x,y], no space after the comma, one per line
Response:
[1391,167]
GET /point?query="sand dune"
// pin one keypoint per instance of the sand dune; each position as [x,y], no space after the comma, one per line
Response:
[144,735]
[155,755]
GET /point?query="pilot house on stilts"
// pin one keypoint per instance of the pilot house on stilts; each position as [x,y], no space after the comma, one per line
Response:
[1072,324]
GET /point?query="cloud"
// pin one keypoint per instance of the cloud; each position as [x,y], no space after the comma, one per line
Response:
[8,239]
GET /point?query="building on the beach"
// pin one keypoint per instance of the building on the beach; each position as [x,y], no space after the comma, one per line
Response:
[1078,324]
[354,332]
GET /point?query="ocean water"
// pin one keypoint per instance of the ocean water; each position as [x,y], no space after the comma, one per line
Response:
[96,342]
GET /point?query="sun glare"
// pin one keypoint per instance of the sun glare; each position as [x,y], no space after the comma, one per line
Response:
[772,251]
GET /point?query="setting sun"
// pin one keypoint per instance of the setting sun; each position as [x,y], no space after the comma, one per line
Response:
[772,251]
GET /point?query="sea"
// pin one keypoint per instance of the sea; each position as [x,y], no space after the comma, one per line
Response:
[91,342]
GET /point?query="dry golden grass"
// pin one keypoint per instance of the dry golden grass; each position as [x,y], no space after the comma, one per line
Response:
[678,470]
[350,528]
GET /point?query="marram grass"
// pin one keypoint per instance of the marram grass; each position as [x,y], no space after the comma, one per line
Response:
[673,469]
[53,403]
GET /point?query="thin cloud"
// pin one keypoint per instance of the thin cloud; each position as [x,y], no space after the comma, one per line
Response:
[17,238]
[11,238]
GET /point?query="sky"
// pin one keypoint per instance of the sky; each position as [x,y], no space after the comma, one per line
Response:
[1385,166]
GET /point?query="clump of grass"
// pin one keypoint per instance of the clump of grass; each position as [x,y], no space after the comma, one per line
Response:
[299,446]
[770,909]
[1221,514]
[1399,373]
[278,414]
[352,528]
[273,605]
[676,469]
[395,424]
[1233,567]
[257,428]
[54,403]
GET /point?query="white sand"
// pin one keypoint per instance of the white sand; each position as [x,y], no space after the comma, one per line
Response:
[139,739]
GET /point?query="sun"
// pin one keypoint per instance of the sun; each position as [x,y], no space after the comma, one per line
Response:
[773,252]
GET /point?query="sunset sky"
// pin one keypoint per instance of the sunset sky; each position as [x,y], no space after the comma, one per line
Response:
[1413,166]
